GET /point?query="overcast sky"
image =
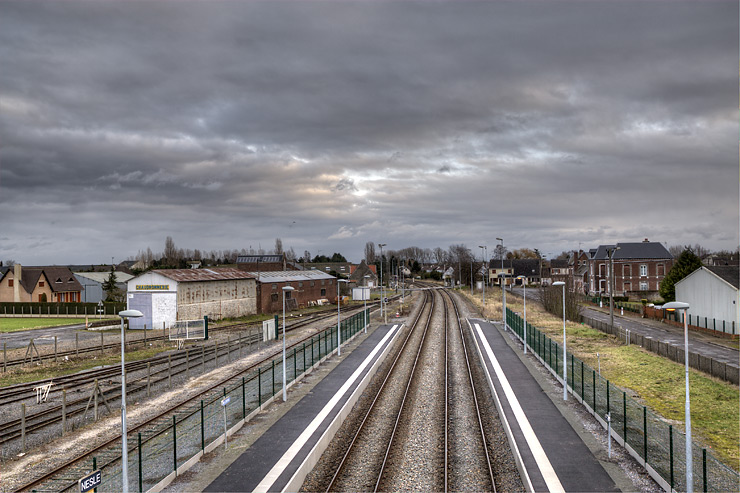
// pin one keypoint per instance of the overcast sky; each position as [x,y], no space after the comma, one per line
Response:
[333,123]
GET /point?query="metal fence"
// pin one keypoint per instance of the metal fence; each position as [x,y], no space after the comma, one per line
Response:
[646,436]
[156,455]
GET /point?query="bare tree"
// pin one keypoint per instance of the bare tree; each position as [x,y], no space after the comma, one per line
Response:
[552,300]
[290,254]
[369,252]
[170,251]
[306,256]
[278,246]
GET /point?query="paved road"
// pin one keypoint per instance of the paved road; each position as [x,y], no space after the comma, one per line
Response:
[699,342]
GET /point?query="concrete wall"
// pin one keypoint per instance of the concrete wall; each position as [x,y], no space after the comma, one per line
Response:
[708,296]
[217,299]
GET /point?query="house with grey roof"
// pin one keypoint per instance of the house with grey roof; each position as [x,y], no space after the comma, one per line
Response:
[639,268]
[54,284]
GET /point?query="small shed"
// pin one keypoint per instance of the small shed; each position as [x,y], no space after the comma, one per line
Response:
[311,287]
[712,293]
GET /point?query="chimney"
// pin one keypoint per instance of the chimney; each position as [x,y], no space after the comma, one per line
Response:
[645,240]
[17,272]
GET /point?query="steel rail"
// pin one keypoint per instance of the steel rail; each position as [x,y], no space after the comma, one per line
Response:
[342,462]
[475,394]
[403,399]
[47,476]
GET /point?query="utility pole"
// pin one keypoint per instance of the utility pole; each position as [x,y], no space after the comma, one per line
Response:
[611,284]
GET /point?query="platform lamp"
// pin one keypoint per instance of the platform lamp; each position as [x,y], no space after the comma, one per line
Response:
[124,435]
[382,297]
[339,319]
[524,285]
[565,351]
[367,276]
[286,290]
[674,306]
[503,280]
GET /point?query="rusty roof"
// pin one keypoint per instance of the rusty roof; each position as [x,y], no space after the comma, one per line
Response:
[199,275]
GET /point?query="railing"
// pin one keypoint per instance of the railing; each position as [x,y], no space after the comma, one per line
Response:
[157,455]
[645,435]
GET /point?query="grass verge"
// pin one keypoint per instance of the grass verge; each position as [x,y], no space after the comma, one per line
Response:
[16,324]
[656,382]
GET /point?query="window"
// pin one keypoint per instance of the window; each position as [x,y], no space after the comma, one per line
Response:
[323,293]
[602,269]
[288,295]
[627,271]
[10,285]
[274,287]
[273,298]
[300,285]
[661,269]
[643,286]
[643,270]
[627,286]
[313,283]
[59,280]
[322,283]
[41,284]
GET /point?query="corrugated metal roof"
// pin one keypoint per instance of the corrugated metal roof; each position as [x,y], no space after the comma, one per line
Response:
[291,275]
[197,275]
[103,276]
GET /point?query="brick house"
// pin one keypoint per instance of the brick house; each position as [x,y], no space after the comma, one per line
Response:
[52,284]
[310,287]
[639,269]
[359,271]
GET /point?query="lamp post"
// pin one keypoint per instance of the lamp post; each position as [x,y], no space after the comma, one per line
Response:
[286,290]
[673,306]
[483,252]
[503,280]
[124,435]
[565,350]
[524,285]
[611,251]
[382,297]
[339,319]
[367,295]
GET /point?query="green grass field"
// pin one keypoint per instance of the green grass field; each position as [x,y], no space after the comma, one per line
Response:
[16,324]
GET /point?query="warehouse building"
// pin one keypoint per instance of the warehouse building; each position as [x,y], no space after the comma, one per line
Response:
[311,287]
[712,293]
[167,295]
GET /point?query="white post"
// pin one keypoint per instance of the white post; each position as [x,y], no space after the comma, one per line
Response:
[524,284]
[565,354]
[124,444]
[689,455]
[339,322]
[285,392]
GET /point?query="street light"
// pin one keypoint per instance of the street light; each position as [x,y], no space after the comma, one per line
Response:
[503,279]
[483,250]
[565,351]
[339,319]
[611,251]
[124,434]
[673,306]
[524,285]
[382,297]
[286,290]
[367,295]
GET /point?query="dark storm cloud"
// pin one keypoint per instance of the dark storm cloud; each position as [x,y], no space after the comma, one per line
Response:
[432,123]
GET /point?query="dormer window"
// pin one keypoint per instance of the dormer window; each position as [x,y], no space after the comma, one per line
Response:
[59,280]
[41,284]
[71,280]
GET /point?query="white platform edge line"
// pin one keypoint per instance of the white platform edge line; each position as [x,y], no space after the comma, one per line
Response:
[274,473]
[548,473]
[502,416]
[315,454]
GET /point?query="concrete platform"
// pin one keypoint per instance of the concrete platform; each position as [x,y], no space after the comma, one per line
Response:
[280,459]
[551,454]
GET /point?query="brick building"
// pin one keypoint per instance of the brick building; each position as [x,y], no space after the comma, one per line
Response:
[52,284]
[264,263]
[311,287]
[638,269]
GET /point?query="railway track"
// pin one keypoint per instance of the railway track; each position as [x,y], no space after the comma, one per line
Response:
[110,346]
[423,429]
[64,477]
[62,413]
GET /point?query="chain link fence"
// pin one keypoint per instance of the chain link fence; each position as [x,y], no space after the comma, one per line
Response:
[645,435]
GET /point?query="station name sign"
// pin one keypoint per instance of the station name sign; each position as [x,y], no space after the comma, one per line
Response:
[91,481]
[152,287]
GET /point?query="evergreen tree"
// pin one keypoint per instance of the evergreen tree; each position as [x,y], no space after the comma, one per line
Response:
[112,293]
[686,263]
